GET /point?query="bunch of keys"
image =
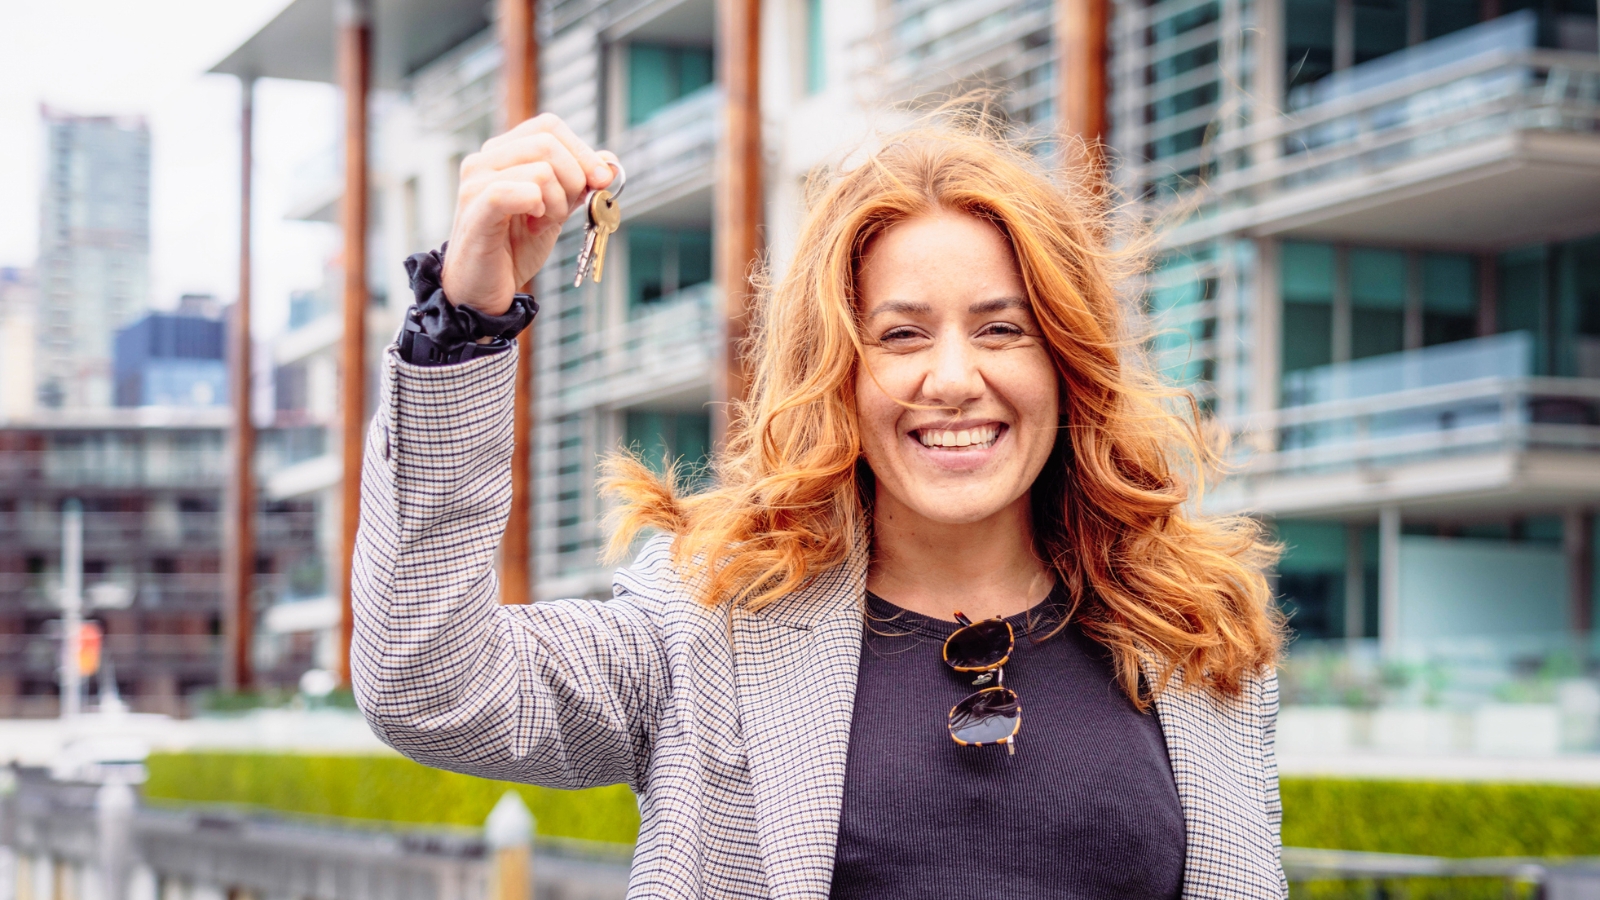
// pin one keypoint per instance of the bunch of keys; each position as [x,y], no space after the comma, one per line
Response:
[605,214]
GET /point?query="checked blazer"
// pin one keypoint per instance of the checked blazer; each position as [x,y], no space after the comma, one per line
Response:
[730,725]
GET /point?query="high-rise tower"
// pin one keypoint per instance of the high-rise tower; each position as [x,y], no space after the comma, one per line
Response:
[94,251]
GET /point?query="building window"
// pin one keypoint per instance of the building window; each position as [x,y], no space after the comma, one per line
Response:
[659,76]
[1377,302]
[1383,291]
[1311,577]
[1308,273]
[679,438]
[664,261]
[816,55]
[1449,298]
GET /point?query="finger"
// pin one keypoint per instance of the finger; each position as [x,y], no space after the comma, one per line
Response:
[563,171]
[502,200]
[548,123]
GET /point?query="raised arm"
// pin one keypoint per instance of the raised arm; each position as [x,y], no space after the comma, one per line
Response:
[562,693]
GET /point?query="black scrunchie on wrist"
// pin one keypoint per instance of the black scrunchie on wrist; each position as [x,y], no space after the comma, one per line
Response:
[437,332]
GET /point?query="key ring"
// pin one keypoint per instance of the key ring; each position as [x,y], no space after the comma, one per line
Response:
[618,183]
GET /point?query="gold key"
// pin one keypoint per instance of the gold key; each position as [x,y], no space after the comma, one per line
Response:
[604,217]
[605,214]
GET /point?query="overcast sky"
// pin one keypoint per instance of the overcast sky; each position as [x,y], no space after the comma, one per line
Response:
[148,57]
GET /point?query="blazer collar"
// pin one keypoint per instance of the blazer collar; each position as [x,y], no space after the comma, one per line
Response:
[795,664]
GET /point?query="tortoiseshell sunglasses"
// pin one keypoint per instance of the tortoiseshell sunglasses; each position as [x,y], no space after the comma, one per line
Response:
[992,715]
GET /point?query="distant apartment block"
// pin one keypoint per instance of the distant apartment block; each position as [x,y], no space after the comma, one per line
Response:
[171,360]
[19,301]
[94,252]
[151,485]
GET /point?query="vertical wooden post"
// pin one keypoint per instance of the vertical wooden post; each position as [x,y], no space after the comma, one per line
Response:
[354,36]
[239,551]
[1081,67]
[518,573]
[739,206]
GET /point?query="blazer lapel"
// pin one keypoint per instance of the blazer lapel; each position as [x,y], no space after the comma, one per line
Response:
[1220,765]
[795,664]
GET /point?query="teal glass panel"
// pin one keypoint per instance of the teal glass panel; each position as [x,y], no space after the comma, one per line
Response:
[680,438]
[1577,287]
[1307,272]
[1522,300]
[1449,298]
[652,80]
[695,70]
[1311,577]
[660,75]
[1445,16]
[1307,336]
[647,433]
[694,258]
[1377,302]
[816,60]
[647,259]
[1380,28]
[1378,279]
[1308,47]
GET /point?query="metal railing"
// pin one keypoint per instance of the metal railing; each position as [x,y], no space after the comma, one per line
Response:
[660,351]
[934,47]
[1447,94]
[134,467]
[1469,396]
[673,150]
[152,528]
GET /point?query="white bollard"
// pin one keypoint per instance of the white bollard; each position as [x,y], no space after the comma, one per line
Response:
[114,809]
[509,830]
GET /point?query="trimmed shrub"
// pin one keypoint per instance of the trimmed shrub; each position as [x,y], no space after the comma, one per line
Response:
[1439,818]
[382,789]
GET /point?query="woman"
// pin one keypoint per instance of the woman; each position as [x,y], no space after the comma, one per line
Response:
[947,424]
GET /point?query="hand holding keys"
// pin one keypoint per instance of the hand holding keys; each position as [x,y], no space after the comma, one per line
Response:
[605,214]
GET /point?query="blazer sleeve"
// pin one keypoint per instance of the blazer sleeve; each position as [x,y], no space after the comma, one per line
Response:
[563,693]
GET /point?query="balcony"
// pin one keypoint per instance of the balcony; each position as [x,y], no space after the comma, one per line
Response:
[1448,429]
[673,153]
[664,353]
[1479,139]
[935,47]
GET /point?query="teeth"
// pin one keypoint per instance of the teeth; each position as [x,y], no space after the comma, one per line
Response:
[982,437]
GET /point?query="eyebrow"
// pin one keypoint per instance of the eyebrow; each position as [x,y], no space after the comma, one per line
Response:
[981,307]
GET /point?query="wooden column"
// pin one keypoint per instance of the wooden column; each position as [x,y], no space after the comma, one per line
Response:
[518,575]
[354,48]
[739,206]
[239,550]
[1081,67]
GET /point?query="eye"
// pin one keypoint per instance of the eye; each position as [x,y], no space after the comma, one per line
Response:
[901,333]
[1002,330]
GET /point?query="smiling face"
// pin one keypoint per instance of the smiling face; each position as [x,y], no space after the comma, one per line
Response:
[948,329]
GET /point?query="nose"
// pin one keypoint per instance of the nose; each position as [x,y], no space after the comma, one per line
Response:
[953,377]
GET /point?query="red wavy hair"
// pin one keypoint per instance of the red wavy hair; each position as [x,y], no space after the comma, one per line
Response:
[1114,509]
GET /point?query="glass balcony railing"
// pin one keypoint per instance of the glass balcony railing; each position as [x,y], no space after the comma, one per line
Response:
[665,350]
[1485,82]
[939,47]
[1495,695]
[675,149]
[1467,397]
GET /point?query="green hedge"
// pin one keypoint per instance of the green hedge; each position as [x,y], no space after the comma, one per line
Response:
[1441,818]
[1430,818]
[382,788]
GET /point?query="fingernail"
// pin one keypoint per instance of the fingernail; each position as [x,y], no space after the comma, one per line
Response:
[602,172]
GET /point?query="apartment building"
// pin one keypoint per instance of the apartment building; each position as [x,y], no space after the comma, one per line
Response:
[150,482]
[1379,267]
